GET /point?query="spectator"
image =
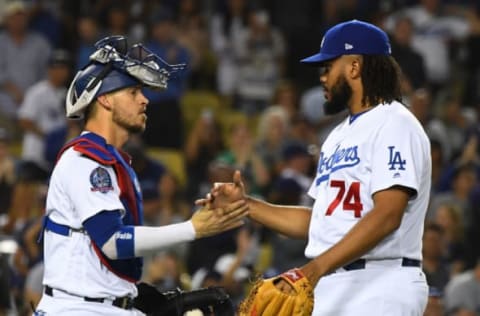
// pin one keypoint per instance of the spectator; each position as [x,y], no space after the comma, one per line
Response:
[203,144]
[88,34]
[472,230]
[438,164]
[173,207]
[7,173]
[193,34]
[436,271]
[286,96]
[23,60]
[451,221]
[46,19]
[164,112]
[468,156]
[410,61]
[432,34]
[5,283]
[456,122]
[117,20]
[291,187]
[421,105]
[41,113]
[462,295]
[231,270]
[302,131]
[164,271]
[435,303]
[236,268]
[226,29]
[260,53]
[27,256]
[464,180]
[150,174]
[272,136]
[311,108]
[472,65]
[33,286]
[241,155]
[205,252]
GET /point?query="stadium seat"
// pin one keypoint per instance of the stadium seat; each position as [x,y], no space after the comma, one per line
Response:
[173,160]
[193,104]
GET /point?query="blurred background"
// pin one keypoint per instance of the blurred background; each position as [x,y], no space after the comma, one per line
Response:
[244,102]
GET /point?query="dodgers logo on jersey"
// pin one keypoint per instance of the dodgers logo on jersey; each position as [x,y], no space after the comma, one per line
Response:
[341,158]
[100,180]
[395,159]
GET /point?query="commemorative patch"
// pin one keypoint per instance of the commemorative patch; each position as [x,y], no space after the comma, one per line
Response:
[100,180]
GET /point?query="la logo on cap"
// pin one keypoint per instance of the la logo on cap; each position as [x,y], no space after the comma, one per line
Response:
[348,46]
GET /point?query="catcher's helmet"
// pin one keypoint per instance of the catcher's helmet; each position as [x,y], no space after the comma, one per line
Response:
[112,67]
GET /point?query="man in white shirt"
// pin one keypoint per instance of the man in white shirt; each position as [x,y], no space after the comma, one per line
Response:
[371,190]
[42,109]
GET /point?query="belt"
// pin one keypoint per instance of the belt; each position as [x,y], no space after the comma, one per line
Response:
[60,228]
[125,302]
[361,264]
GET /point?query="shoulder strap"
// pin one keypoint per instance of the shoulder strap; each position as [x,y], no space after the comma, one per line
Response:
[90,149]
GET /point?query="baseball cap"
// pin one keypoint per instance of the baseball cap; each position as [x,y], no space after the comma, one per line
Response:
[350,38]
[292,150]
[14,7]
[161,15]
[225,262]
[59,57]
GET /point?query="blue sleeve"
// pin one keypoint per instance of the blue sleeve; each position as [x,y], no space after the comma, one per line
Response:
[102,226]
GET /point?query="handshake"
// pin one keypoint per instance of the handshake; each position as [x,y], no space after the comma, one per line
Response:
[222,209]
[290,293]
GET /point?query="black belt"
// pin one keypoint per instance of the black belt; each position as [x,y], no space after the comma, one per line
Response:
[360,264]
[125,302]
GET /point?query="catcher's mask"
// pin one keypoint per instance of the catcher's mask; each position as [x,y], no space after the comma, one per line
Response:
[115,66]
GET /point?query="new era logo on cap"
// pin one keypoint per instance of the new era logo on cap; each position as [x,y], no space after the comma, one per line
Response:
[348,38]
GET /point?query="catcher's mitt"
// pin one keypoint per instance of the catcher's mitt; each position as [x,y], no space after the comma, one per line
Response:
[210,301]
[265,299]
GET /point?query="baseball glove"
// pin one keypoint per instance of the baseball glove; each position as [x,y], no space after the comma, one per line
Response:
[265,299]
[210,301]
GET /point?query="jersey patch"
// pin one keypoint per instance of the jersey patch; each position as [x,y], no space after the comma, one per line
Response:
[100,180]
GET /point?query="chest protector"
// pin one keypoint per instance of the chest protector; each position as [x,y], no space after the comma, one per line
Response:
[94,147]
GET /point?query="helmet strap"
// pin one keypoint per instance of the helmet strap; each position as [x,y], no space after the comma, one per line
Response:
[100,77]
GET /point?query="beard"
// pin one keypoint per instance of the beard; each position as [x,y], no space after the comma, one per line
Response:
[128,124]
[340,95]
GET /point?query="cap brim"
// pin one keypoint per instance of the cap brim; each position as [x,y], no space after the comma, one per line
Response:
[318,58]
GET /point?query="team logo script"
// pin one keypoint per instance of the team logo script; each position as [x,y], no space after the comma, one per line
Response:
[341,158]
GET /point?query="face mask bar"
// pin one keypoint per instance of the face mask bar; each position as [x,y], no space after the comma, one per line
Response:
[138,61]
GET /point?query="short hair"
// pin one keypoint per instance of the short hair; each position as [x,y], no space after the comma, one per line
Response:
[265,119]
[464,168]
[380,79]
[434,227]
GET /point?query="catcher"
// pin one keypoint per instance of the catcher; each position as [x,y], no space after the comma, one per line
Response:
[94,237]
[371,194]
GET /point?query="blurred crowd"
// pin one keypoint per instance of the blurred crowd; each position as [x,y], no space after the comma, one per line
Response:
[244,103]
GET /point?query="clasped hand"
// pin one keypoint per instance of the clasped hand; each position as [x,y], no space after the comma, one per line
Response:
[209,221]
